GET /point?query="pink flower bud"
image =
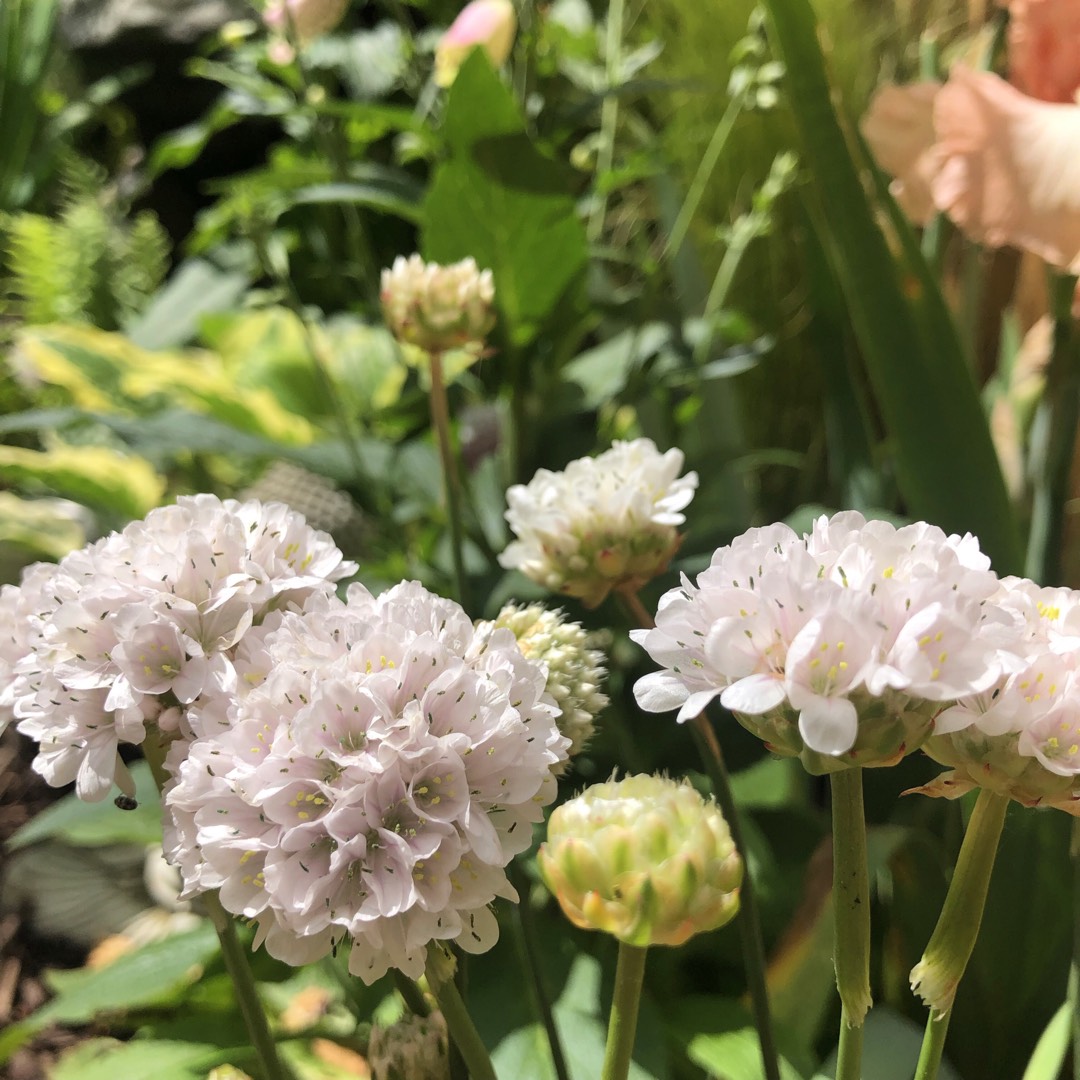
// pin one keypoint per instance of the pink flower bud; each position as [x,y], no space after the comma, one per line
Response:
[489,24]
[304,19]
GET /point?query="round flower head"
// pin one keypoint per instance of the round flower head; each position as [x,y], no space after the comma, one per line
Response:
[1021,737]
[415,1048]
[574,671]
[380,766]
[840,646]
[142,626]
[644,859]
[604,523]
[438,307]
[489,24]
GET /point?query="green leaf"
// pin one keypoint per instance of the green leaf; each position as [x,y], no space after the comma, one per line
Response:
[96,824]
[501,201]
[1053,1045]
[152,975]
[144,1059]
[946,466]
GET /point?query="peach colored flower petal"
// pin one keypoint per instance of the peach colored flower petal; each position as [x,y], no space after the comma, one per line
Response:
[1010,173]
[491,24]
[899,127]
[1044,48]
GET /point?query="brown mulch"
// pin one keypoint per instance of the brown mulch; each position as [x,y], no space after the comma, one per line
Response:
[24,956]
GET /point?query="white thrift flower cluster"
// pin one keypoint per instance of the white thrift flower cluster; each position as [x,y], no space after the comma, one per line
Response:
[840,646]
[437,307]
[574,671]
[19,607]
[1021,736]
[604,523]
[381,764]
[141,626]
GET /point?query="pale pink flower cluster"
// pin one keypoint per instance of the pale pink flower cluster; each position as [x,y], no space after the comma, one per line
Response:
[999,158]
[379,765]
[1021,736]
[486,24]
[845,642]
[142,626]
[604,523]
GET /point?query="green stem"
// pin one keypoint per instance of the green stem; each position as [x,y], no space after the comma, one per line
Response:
[749,922]
[933,1046]
[462,1030]
[701,178]
[609,116]
[440,421]
[629,976]
[1074,973]
[411,994]
[530,948]
[1057,418]
[849,1051]
[232,952]
[851,903]
[936,976]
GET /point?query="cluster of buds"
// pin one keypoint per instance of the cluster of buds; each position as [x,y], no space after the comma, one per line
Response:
[438,308]
[486,24]
[603,524]
[574,671]
[645,859]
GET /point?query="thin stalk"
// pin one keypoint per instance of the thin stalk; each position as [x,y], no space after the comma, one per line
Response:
[1074,973]
[462,1030]
[936,976]
[232,952]
[701,178]
[440,421]
[622,1025]
[851,903]
[933,1046]
[530,949]
[741,239]
[609,115]
[849,1051]
[749,921]
[411,994]
[1058,416]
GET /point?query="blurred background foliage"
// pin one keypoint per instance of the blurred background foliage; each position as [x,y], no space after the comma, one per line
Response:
[191,235]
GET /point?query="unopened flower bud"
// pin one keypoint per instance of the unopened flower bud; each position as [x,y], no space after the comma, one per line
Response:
[645,859]
[574,670]
[438,307]
[487,24]
[227,1072]
[415,1048]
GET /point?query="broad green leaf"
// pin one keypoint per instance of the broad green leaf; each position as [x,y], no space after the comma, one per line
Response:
[94,824]
[501,201]
[44,527]
[1053,1045]
[95,475]
[196,289]
[144,1059]
[771,782]
[735,1055]
[946,466]
[153,974]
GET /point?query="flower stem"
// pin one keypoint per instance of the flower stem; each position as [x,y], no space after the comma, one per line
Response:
[232,952]
[749,921]
[440,421]
[530,950]
[936,976]
[849,1050]
[462,1030]
[851,903]
[629,975]
[410,993]
[933,1045]
[609,116]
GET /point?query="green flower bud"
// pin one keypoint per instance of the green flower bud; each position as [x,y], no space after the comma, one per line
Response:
[415,1048]
[227,1072]
[645,859]
[574,670]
